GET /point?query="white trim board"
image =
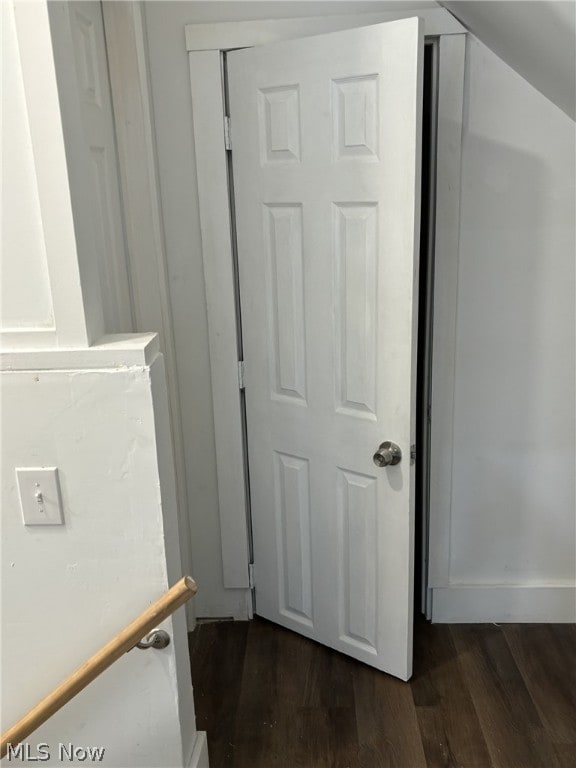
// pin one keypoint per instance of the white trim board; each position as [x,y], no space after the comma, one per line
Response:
[122,350]
[452,52]
[207,102]
[219,280]
[223,36]
[504,604]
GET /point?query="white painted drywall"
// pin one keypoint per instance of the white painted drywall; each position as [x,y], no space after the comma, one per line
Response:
[64,276]
[100,414]
[129,82]
[84,93]
[25,303]
[513,502]
[44,258]
[537,38]
[67,590]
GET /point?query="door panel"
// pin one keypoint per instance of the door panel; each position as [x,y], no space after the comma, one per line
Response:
[326,137]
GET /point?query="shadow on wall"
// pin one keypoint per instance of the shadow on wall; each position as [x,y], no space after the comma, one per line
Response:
[514,410]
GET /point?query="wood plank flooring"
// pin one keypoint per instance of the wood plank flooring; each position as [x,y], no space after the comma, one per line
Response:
[482,696]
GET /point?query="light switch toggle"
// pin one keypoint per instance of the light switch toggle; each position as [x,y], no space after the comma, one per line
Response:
[40,498]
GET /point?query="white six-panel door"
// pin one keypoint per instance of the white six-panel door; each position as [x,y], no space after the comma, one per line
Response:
[325,147]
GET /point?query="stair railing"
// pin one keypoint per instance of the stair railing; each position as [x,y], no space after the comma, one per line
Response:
[124,641]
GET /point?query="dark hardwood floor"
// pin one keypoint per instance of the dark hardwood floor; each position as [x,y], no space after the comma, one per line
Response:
[482,696]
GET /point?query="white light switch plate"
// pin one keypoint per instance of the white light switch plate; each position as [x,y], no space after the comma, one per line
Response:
[40,495]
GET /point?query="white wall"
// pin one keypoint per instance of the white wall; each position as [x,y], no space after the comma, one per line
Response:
[44,283]
[173,122]
[98,412]
[513,496]
[64,276]
[66,590]
[537,38]
[88,126]
[23,303]
[512,503]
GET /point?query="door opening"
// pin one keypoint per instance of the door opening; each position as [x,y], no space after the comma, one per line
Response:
[425,313]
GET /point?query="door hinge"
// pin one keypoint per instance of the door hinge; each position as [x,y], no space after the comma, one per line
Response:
[241,369]
[251,581]
[227,138]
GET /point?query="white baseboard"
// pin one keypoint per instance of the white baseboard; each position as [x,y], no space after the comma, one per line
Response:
[199,757]
[504,604]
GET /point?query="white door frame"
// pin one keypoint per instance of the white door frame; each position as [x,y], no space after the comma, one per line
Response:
[205,44]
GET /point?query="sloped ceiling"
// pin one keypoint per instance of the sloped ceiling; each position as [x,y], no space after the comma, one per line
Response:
[203,11]
[537,39]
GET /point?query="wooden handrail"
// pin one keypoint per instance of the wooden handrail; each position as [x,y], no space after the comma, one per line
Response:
[179,594]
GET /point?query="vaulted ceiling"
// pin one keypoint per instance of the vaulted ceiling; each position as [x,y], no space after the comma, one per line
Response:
[537,39]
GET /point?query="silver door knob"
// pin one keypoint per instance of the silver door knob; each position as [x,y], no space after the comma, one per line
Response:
[387,455]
